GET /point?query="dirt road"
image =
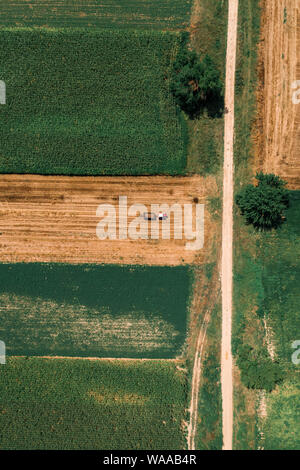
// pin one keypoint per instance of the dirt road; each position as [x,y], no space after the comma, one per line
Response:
[226,267]
[53,218]
[227,229]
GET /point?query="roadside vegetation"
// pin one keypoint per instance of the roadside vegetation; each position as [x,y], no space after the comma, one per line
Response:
[246,287]
[281,428]
[280,254]
[208,38]
[209,436]
[81,404]
[207,44]
[264,204]
[266,292]
[196,83]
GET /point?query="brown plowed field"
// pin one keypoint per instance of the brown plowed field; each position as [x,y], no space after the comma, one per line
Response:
[278,130]
[53,219]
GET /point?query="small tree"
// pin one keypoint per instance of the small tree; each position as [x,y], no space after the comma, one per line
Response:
[194,82]
[258,371]
[264,205]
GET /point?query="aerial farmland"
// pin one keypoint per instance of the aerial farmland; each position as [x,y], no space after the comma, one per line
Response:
[142,306]
[90,118]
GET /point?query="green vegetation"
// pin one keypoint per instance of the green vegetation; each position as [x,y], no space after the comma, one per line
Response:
[264,205]
[280,254]
[112,14]
[94,310]
[196,84]
[246,83]
[266,295]
[258,370]
[209,436]
[75,106]
[205,156]
[247,288]
[282,427]
[82,404]
[205,149]
[266,279]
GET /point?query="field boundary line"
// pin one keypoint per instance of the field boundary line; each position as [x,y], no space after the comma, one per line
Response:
[103,358]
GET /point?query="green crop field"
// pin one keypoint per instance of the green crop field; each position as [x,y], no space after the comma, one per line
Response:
[146,14]
[82,404]
[89,103]
[94,310]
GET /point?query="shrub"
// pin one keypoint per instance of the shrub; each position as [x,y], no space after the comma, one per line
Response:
[195,83]
[264,205]
[258,371]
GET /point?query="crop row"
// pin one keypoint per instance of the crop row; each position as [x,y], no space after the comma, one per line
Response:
[94,310]
[82,404]
[120,14]
[89,103]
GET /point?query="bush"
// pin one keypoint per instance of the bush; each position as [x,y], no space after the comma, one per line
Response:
[264,205]
[258,371]
[195,83]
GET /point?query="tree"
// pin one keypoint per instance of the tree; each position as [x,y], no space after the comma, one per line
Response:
[258,371]
[195,83]
[264,205]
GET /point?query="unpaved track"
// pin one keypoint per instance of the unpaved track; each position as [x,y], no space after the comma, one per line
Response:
[226,266]
[206,301]
[227,229]
[53,218]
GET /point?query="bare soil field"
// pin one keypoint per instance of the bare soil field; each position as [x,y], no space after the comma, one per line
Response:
[278,125]
[53,219]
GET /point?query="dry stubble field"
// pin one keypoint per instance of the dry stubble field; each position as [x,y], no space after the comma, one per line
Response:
[278,133]
[53,219]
